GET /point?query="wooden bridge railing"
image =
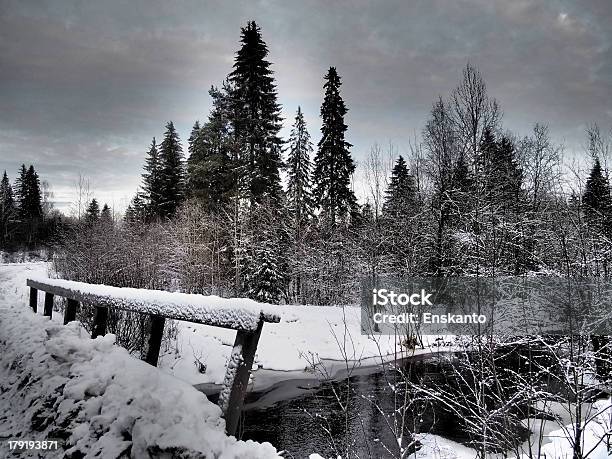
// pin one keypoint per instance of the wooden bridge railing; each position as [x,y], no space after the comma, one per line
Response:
[243,315]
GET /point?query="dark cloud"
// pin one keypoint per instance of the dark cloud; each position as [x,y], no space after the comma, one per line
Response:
[85,85]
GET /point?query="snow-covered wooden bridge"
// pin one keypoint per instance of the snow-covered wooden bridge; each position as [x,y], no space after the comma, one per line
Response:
[243,315]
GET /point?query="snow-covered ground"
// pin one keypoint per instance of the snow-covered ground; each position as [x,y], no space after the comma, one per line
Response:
[556,434]
[57,383]
[304,334]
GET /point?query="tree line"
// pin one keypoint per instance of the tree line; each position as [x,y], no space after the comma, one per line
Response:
[233,173]
[469,198]
[26,219]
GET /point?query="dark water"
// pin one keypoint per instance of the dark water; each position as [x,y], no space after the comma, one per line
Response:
[317,422]
[367,413]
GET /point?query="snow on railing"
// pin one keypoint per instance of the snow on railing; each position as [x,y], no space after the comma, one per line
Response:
[241,314]
[234,313]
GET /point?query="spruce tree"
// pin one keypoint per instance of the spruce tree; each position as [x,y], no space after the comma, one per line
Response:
[400,205]
[500,174]
[596,199]
[28,203]
[265,271]
[92,214]
[401,196]
[7,207]
[195,149]
[256,118]
[172,171]
[299,193]
[106,215]
[462,178]
[31,202]
[152,182]
[299,198]
[210,169]
[196,146]
[137,209]
[506,175]
[264,280]
[334,165]
[21,190]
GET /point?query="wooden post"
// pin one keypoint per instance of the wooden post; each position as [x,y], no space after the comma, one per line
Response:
[48,304]
[34,299]
[99,326]
[237,376]
[155,339]
[70,311]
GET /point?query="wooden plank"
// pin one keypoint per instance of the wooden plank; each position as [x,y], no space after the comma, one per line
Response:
[99,326]
[92,299]
[34,299]
[70,311]
[48,304]
[155,339]
[237,376]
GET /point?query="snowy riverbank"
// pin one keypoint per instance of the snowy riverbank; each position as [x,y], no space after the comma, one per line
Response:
[327,336]
[55,382]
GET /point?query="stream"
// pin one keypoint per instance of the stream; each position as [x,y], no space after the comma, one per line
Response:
[305,416]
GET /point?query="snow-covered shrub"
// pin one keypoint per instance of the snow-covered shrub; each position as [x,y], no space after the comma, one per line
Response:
[118,255]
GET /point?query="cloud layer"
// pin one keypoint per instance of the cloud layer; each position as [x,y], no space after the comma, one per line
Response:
[85,85]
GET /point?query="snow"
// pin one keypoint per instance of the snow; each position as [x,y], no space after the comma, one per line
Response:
[436,447]
[236,313]
[304,334]
[234,363]
[558,443]
[56,382]
[97,379]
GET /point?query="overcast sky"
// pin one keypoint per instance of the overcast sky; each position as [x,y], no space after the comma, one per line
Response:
[85,85]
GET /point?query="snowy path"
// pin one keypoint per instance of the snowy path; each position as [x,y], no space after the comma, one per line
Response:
[57,383]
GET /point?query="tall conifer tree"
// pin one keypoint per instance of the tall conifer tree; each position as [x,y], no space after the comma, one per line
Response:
[194,138]
[400,205]
[7,207]
[334,165]
[506,174]
[401,196]
[136,211]
[31,204]
[596,199]
[92,214]
[106,216]
[172,169]
[299,193]
[21,189]
[152,179]
[210,166]
[256,118]
[462,192]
